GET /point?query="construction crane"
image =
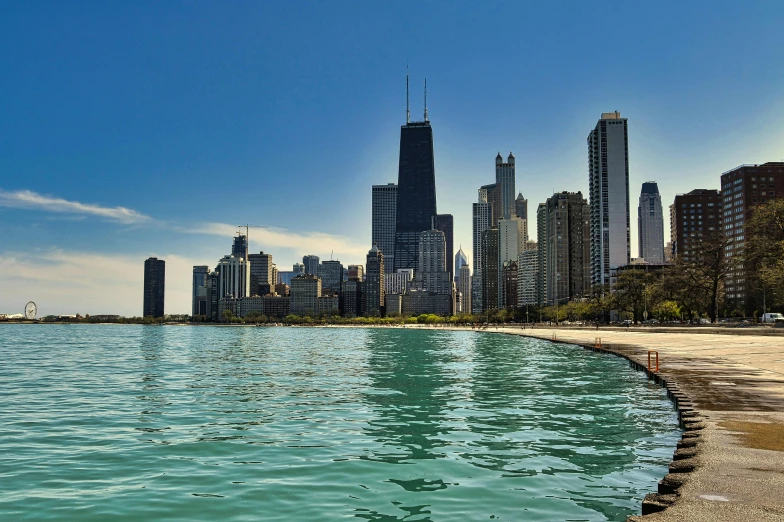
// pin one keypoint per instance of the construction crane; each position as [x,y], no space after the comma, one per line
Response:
[247,227]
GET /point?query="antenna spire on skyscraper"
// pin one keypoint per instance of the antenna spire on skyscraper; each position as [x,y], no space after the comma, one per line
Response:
[408,112]
[426,100]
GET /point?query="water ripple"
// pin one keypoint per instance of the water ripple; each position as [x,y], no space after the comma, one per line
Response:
[132,422]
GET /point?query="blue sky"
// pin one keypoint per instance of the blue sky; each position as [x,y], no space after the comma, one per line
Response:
[154,128]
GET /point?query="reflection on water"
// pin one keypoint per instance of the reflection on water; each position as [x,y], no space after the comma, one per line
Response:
[130,422]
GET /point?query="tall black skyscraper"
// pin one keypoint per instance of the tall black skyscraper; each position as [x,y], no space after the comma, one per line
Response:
[154,283]
[416,188]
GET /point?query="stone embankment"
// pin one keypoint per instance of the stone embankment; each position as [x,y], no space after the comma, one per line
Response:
[729,391]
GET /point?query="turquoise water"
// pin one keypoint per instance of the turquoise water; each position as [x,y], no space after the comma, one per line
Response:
[115,422]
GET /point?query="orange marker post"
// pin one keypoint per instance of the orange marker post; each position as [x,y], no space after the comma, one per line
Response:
[649,360]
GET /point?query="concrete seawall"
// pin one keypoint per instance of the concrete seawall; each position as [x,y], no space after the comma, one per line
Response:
[729,391]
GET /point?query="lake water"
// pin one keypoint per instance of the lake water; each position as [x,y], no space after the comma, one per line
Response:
[117,422]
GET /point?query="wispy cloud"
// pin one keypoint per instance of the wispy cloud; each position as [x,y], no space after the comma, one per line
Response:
[280,238]
[271,239]
[32,200]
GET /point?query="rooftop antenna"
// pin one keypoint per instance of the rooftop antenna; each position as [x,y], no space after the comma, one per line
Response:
[408,112]
[426,120]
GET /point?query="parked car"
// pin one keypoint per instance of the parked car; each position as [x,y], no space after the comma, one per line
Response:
[771,318]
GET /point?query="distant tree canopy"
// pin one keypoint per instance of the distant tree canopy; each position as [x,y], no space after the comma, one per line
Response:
[764,251]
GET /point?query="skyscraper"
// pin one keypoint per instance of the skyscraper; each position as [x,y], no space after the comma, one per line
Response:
[352,298]
[383,220]
[240,246]
[481,222]
[416,188]
[298,268]
[541,257]
[431,274]
[397,282]
[431,290]
[199,298]
[233,277]
[566,243]
[744,188]
[446,224]
[374,282]
[465,288]
[460,260]
[331,275]
[305,291]
[261,273]
[355,272]
[213,297]
[508,283]
[490,270]
[692,215]
[311,264]
[505,179]
[521,210]
[491,194]
[511,242]
[154,286]
[608,173]
[527,274]
[650,224]
[521,207]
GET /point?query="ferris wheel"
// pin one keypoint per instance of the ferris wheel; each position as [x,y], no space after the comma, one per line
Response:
[30,310]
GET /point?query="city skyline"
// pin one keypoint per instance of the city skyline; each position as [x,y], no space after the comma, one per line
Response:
[67,152]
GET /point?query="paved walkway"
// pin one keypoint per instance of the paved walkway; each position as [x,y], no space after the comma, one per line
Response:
[736,386]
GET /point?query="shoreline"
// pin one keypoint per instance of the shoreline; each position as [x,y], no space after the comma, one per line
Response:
[757,330]
[729,465]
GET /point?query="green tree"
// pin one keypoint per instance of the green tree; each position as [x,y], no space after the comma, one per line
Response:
[703,274]
[667,311]
[764,252]
[631,293]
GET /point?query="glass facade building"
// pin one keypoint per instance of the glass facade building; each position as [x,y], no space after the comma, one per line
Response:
[416,192]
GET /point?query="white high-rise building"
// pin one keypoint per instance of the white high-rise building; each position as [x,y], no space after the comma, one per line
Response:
[397,281]
[505,177]
[465,289]
[383,221]
[650,224]
[234,279]
[608,173]
[527,276]
[481,222]
[460,260]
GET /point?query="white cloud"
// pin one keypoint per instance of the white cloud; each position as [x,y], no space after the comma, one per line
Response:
[70,282]
[272,239]
[32,200]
